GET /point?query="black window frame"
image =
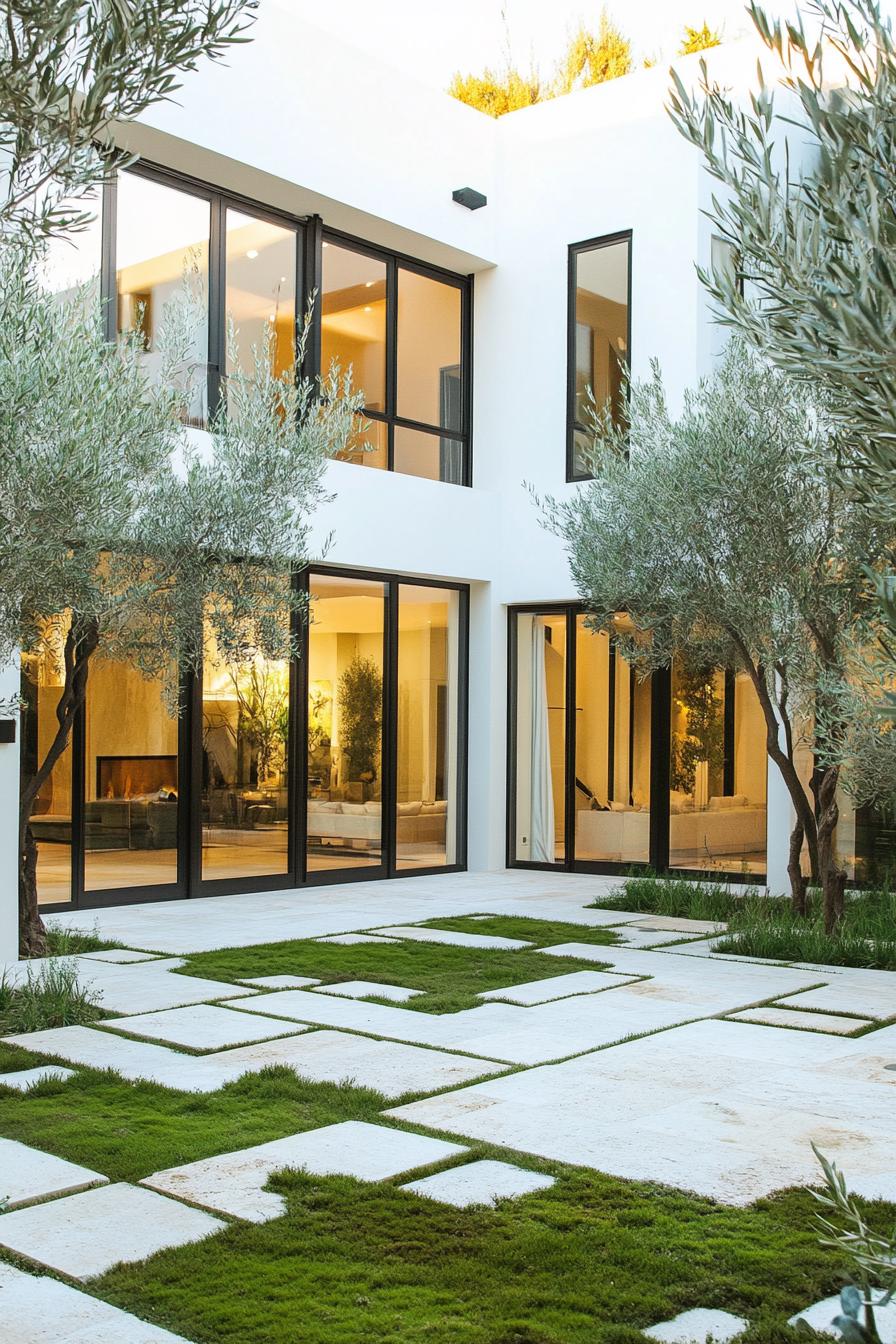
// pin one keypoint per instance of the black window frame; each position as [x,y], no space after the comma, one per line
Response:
[574,251]
[396,262]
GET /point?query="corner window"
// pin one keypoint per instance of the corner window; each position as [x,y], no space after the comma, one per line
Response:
[599,338]
[401,329]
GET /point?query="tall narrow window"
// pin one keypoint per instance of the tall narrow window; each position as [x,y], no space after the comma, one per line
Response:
[599,339]
[162,256]
[427,757]
[260,303]
[540,736]
[353,324]
[345,723]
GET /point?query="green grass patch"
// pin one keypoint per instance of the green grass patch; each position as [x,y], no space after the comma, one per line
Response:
[450,977]
[765,926]
[50,996]
[676,897]
[64,942]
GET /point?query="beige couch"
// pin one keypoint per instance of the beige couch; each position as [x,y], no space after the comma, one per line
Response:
[359,825]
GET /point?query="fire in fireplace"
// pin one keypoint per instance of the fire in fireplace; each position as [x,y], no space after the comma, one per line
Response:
[135,776]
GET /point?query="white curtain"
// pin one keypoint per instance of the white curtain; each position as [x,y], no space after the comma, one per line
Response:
[542,818]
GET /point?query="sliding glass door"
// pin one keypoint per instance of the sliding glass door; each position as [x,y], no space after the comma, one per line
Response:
[609,770]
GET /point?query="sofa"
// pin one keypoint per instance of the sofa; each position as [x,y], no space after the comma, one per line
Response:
[115,823]
[727,827]
[359,825]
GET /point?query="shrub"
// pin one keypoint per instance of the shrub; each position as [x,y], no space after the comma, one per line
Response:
[50,998]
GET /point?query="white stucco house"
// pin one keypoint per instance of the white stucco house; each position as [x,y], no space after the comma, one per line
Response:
[508,733]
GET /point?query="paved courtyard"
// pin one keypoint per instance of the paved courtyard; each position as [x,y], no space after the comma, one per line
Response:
[667,1063]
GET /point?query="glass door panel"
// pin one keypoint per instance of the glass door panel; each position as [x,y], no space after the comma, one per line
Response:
[51,813]
[540,738]
[612,783]
[427,757]
[245,766]
[130,780]
[344,828]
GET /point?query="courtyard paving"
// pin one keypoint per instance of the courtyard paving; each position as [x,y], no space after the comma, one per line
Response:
[667,1063]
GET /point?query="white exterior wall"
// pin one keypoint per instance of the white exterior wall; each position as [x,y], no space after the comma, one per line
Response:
[290,121]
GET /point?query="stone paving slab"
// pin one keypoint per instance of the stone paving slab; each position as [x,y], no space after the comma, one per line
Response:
[280,982]
[846,994]
[349,939]
[708,1107]
[773,1016]
[202,1026]
[417,935]
[483,1182]
[234,1183]
[674,924]
[360,989]
[86,1234]
[701,1325]
[633,935]
[121,956]
[23,1079]
[132,1059]
[556,987]
[41,1310]
[29,1174]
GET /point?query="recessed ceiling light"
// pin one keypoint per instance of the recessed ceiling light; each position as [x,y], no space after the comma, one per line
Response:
[369,284]
[325,244]
[252,253]
[368,310]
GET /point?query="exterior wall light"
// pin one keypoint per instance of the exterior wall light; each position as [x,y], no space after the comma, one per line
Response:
[468,196]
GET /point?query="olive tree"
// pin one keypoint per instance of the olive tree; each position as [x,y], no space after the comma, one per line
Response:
[126,535]
[708,529]
[71,69]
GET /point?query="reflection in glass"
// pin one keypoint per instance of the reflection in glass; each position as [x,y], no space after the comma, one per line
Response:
[601,334]
[353,320]
[162,241]
[130,780]
[433,456]
[368,446]
[345,723]
[261,289]
[51,814]
[245,780]
[612,787]
[429,340]
[71,260]
[426,821]
[718,767]
[540,738]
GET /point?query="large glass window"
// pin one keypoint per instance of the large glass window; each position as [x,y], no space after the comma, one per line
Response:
[51,815]
[71,261]
[345,723]
[130,780]
[612,729]
[427,758]
[718,772]
[599,338]
[245,765]
[261,290]
[162,253]
[400,331]
[540,738]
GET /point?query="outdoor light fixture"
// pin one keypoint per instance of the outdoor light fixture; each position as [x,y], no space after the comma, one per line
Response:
[468,196]
[7,730]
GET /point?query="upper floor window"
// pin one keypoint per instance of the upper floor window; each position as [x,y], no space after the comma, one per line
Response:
[402,329]
[599,339]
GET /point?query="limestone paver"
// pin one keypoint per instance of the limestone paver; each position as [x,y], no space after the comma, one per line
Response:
[851,994]
[234,1183]
[361,989]
[132,1059]
[41,1310]
[773,1016]
[714,1107]
[482,1182]
[556,987]
[821,1314]
[452,937]
[141,987]
[28,1174]
[632,935]
[673,924]
[349,939]
[25,1078]
[384,1066]
[86,1234]
[121,956]
[202,1026]
[281,982]
[701,1325]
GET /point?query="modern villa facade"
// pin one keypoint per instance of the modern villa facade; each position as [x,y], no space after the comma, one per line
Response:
[452,709]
